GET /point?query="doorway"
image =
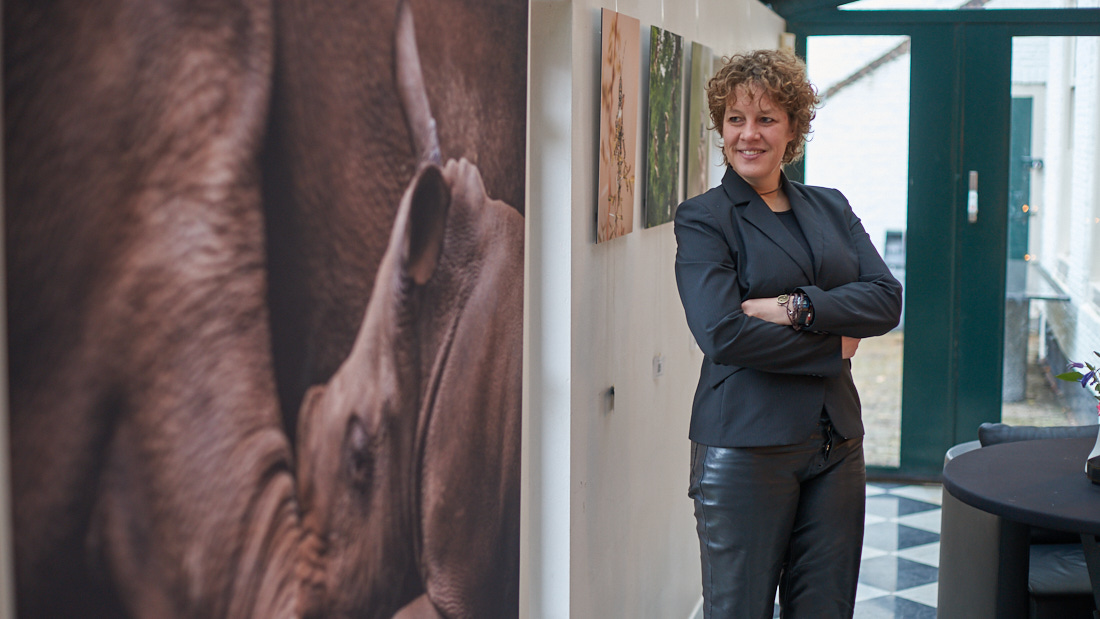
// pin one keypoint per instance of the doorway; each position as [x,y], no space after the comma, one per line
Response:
[957,221]
[863,84]
[1053,260]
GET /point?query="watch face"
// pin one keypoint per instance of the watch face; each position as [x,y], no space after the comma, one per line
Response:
[782,299]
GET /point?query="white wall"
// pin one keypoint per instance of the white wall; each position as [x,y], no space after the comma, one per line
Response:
[608,527]
[871,114]
[1070,213]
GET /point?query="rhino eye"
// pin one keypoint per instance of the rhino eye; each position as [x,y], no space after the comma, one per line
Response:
[358,458]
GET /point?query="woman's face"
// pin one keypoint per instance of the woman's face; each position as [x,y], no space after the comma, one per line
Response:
[755,134]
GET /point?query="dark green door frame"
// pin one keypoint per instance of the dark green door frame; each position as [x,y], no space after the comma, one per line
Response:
[960,116]
[981,247]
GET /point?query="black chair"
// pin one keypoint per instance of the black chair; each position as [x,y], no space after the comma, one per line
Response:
[1058,581]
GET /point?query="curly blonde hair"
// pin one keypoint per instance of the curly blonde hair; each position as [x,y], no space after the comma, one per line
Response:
[781,76]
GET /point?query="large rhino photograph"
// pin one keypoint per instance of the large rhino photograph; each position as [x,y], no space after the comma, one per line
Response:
[264,282]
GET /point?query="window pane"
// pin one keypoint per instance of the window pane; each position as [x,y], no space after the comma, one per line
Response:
[860,145]
[1052,304]
[920,5]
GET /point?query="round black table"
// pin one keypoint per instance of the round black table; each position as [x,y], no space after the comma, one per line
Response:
[1033,483]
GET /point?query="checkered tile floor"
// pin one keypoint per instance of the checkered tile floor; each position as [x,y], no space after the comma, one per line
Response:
[901,553]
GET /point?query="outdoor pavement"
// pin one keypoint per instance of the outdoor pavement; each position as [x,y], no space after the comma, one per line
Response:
[877,369]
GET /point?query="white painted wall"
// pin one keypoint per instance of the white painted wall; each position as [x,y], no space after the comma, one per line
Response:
[860,139]
[608,529]
[1070,213]
[544,506]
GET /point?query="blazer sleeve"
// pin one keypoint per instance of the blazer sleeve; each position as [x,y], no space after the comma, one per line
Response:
[706,277]
[866,307]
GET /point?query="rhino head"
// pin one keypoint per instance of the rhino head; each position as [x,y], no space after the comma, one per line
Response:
[408,457]
[357,469]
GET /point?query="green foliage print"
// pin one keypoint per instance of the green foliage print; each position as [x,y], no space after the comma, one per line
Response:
[666,80]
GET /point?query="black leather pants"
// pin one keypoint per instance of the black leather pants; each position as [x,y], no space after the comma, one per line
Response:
[789,517]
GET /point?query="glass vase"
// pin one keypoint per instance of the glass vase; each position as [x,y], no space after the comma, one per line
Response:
[1092,463]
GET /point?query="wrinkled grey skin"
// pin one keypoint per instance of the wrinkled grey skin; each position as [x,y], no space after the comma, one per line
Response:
[186,191]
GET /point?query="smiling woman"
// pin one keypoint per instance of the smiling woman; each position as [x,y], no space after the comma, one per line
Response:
[755,135]
[782,77]
[779,282]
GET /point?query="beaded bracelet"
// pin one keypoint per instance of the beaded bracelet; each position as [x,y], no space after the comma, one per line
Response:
[799,310]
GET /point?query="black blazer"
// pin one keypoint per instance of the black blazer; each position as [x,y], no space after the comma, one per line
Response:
[763,383]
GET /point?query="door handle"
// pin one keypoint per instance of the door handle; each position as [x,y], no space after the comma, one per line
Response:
[972,198]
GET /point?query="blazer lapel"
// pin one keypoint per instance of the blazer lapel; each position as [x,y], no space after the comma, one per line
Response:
[752,209]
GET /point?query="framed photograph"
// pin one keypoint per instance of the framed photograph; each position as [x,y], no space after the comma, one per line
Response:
[619,93]
[698,121]
[666,96]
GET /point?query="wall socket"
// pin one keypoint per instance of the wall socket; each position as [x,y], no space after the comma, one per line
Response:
[658,365]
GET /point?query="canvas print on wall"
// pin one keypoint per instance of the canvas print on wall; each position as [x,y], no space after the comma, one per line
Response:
[265,318]
[666,94]
[619,77]
[698,122]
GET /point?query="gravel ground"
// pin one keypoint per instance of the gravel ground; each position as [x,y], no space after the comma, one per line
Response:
[877,372]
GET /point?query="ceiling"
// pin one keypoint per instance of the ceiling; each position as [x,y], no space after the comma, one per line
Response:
[789,9]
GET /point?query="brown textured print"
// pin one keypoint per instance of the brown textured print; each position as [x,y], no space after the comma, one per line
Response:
[264,268]
[619,92]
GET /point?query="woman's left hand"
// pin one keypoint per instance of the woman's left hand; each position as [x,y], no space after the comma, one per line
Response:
[767,309]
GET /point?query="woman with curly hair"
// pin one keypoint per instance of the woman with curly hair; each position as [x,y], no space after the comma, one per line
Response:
[779,282]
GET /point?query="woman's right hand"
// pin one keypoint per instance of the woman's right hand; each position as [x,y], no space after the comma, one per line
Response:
[848,346]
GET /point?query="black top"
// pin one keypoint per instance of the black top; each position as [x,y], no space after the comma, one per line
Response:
[789,220]
[1038,483]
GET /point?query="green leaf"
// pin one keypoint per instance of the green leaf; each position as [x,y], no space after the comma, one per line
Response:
[1071,376]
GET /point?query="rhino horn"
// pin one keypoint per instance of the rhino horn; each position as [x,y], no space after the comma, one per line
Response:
[410,86]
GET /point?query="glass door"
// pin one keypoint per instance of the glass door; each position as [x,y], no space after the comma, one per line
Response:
[1052,291]
[860,145]
[1000,267]
[889,135]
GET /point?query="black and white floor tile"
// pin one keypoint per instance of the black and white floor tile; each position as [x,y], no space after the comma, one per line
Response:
[901,552]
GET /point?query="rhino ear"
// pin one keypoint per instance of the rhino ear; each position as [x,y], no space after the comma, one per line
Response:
[429,199]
